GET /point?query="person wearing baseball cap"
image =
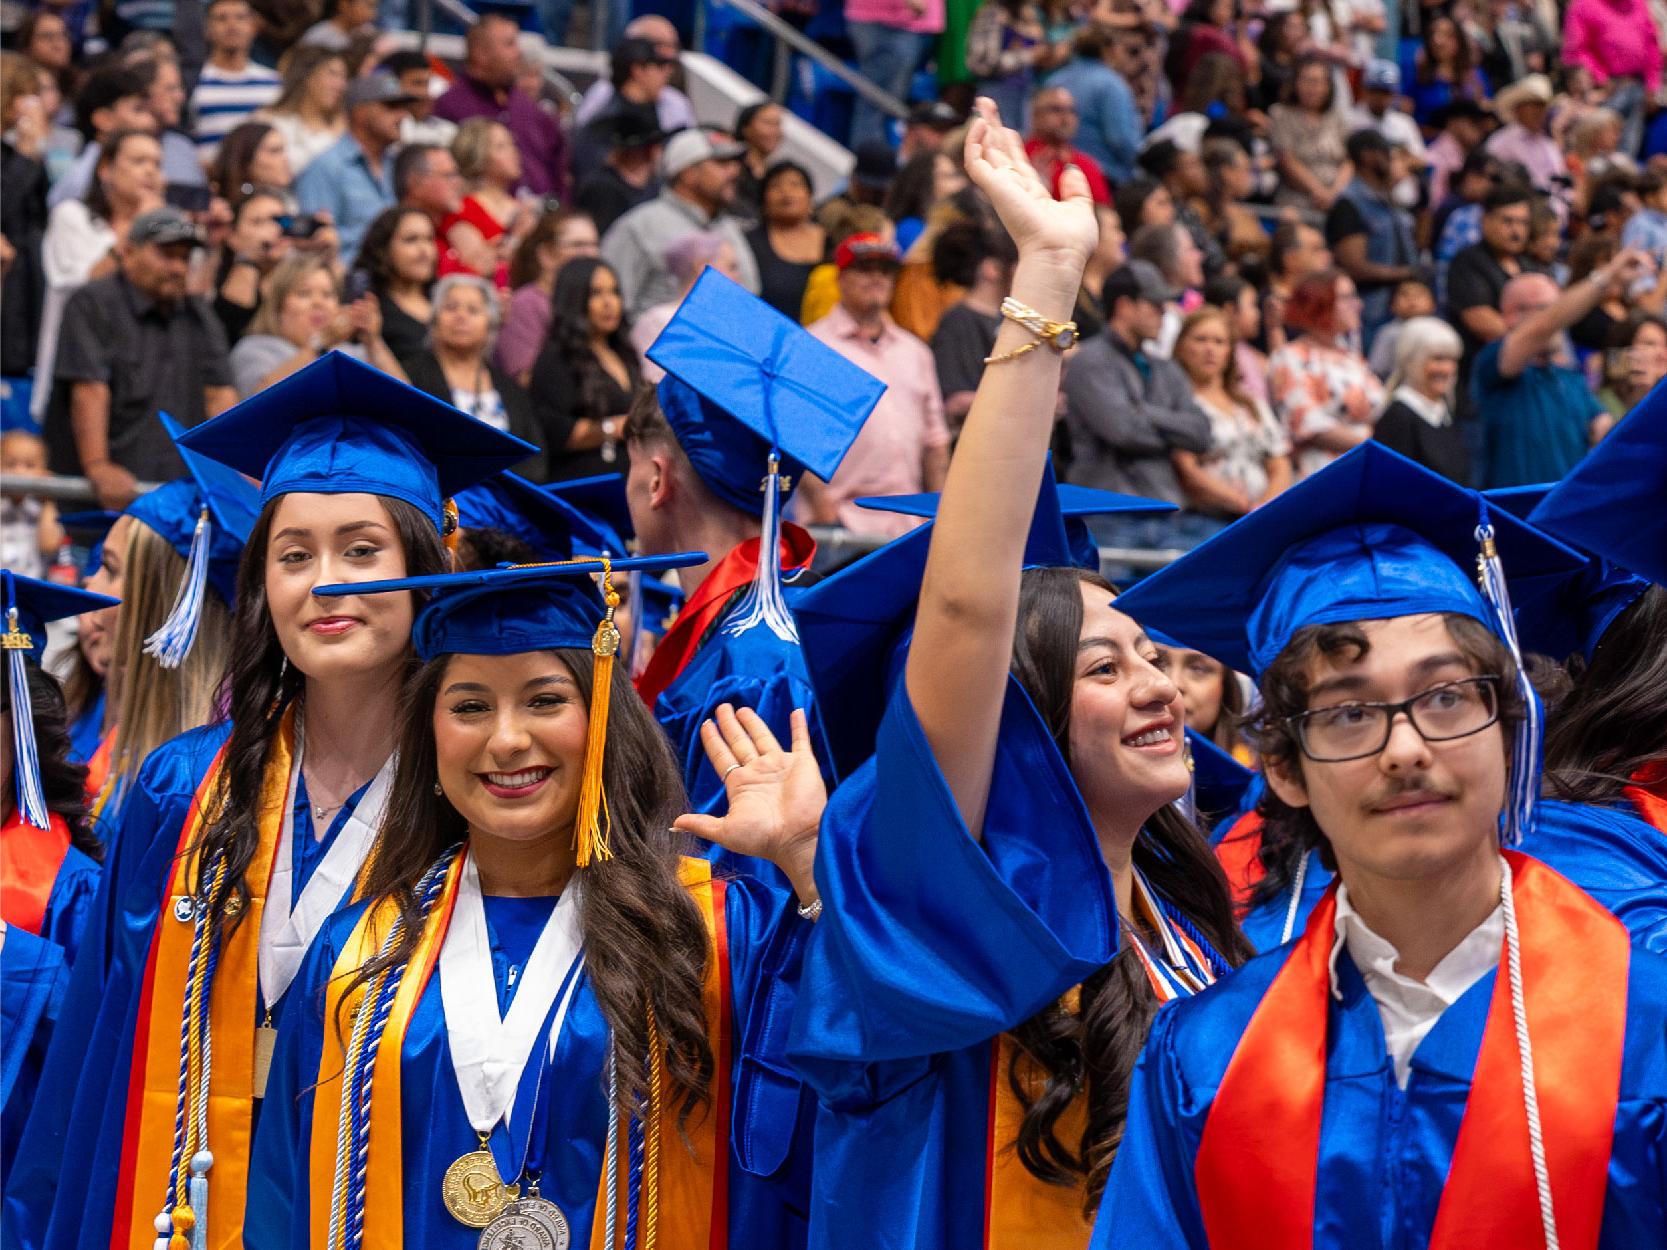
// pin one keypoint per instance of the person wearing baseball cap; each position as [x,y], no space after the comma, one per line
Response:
[1380,86]
[699,170]
[353,178]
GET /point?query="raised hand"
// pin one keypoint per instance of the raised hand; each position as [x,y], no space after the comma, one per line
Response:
[1040,225]
[775,796]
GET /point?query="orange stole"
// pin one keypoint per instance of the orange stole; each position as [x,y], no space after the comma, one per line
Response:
[147,1143]
[29,862]
[1256,1162]
[1238,852]
[1021,1211]
[98,768]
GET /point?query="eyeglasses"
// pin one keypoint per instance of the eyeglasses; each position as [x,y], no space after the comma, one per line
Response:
[1352,731]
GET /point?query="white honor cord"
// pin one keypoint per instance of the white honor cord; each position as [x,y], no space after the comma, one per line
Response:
[489,1052]
[1530,1096]
[1296,901]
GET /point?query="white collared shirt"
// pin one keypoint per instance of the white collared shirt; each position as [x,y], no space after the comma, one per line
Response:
[1435,411]
[1410,1008]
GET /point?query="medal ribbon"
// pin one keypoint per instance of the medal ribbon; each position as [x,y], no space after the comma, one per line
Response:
[1183,969]
[29,862]
[518,1146]
[1259,1153]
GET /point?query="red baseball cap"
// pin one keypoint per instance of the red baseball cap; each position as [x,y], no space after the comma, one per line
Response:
[866,248]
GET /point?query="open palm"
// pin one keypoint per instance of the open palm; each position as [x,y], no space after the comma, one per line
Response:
[775,796]
[996,162]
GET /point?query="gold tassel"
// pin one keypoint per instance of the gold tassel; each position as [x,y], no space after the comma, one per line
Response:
[450,529]
[591,828]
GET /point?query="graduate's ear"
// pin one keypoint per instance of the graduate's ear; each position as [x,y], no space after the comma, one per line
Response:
[1284,778]
[662,478]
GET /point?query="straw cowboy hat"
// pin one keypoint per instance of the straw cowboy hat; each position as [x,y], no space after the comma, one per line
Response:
[1534,89]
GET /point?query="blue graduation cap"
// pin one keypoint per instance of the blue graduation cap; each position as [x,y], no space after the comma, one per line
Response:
[755,400]
[1371,536]
[854,625]
[29,604]
[340,427]
[1614,502]
[602,499]
[1575,617]
[1219,782]
[89,529]
[534,607]
[551,526]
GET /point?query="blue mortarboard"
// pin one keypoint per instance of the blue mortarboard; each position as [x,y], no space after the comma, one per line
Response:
[1219,781]
[1614,502]
[853,624]
[551,526]
[602,499]
[89,528]
[339,427]
[1575,617]
[28,604]
[1370,537]
[534,607]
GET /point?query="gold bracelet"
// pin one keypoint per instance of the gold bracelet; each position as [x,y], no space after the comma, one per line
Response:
[1059,335]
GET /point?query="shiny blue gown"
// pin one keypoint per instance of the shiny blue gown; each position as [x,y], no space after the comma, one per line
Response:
[71,902]
[765,938]
[32,980]
[929,947]
[1384,1151]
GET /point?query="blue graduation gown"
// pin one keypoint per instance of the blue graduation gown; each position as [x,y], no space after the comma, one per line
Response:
[75,1129]
[86,730]
[1607,851]
[765,935]
[1384,1151]
[931,945]
[70,902]
[32,977]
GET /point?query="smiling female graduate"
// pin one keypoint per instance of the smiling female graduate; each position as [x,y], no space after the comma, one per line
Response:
[534,1030]
[1461,1048]
[239,839]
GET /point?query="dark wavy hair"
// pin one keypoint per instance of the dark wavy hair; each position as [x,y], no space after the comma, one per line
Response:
[1615,719]
[260,684]
[646,945]
[1289,833]
[570,336]
[63,782]
[379,236]
[1093,1051]
[229,172]
[97,199]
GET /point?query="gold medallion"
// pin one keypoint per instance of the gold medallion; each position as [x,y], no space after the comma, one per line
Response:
[472,1190]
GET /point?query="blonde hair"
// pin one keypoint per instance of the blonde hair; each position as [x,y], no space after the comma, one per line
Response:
[152,704]
[19,76]
[289,273]
[470,145]
[1230,380]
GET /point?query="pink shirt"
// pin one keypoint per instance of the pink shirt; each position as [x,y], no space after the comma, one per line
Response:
[1536,152]
[908,422]
[1613,38]
[897,13]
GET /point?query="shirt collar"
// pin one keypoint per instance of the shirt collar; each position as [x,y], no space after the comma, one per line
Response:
[1435,411]
[138,302]
[1375,956]
[845,325]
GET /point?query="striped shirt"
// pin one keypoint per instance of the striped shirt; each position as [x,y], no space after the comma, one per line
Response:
[225,100]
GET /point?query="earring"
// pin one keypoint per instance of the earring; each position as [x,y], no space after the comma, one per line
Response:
[439,791]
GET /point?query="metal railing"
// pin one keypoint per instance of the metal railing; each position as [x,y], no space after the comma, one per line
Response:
[789,37]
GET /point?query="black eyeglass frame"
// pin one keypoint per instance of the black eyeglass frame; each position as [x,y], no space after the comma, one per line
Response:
[1489,682]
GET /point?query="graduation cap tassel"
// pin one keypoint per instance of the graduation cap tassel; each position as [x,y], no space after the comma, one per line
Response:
[763,603]
[1527,748]
[590,830]
[31,800]
[173,640]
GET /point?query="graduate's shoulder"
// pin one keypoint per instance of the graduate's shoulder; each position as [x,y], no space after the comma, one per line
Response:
[180,764]
[1202,1031]
[1644,1064]
[733,664]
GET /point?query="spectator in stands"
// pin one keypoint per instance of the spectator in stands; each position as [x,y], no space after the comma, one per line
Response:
[787,244]
[1477,277]
[230,87]
[1523,140]
[254,155]
[308,111]
[29,530]
[925,129]
[416,77]
[671,106]
[1171,251]
[165,98]
[1322,388]
[1249,460]
[759,127]
[698,170]
[134,343]
[869,184]
[1461,127]
[1296,250]
[1279,47]
[399,255]
[1538,416]
[249,253]
[923,292]
[1229,180]
[1378,111]
[585,374]
[1444,70]
[1410,299]
[1127,412]
[822,290]
[904,445]
[1418,421]
[44,38]
[1307,130]
[1109,122]
[1053,124]
[1636,361]
[22,211]
[427,179]
[1143,201]
[638,73]
[344,20]
[492,221]
[628,176]
[1456,222]
[301,317]
[1009,51]
[1243,306]
[110,99]
[1105,259]
[891,39]
[486,88]
[687,258]
[1370,235]
[1619,43]
[81,235]
[981,260]
[353,179]
[928,180]
[1646,230]
[1182,173]
[556,239]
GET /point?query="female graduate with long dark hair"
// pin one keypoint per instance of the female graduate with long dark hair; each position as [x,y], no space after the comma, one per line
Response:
[535,1022]
[967,1013]
[239,839]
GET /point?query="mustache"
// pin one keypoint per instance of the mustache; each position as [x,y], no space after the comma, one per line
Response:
[1402,793]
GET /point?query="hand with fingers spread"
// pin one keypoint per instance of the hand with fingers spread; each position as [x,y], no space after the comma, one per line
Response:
[776,796]
[1041,226]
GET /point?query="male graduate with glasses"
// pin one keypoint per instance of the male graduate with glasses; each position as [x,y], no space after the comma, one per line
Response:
[1463,1047]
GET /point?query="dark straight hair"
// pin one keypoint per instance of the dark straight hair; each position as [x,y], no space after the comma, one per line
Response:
[570,335]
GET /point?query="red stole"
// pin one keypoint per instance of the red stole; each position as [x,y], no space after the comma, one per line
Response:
[1649,793]
[1256,1163]
[98,766]
[709,602]
[1239,854]
[29,863]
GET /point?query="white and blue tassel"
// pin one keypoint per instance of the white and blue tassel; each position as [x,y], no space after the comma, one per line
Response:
[1528,744]
[172,642]
[31,799]
[764,604]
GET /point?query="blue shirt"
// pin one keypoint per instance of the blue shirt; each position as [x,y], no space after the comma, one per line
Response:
[1535,425]
[1109,125]
[342,180]
[1647,229]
